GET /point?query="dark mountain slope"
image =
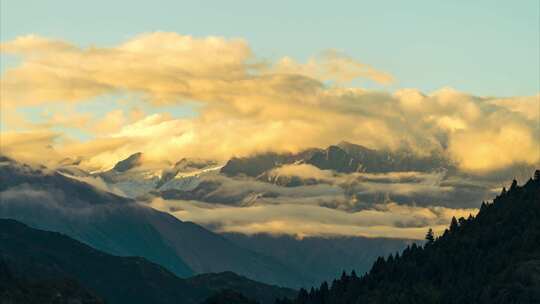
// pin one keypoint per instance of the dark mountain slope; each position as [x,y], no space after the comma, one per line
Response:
[491,258]
[320,258]
[15,290]
[51,201]
[205,252]
[48,255]
[265,294]
[43,267]
[228,297]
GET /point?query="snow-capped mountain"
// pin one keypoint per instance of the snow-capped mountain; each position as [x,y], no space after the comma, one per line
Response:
[187,173]
[134,177]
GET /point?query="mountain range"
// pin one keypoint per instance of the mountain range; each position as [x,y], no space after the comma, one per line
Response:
[50,200]
[104,221]
[185,179]
[492,257]
[344,157]
[111,210]
[121,226]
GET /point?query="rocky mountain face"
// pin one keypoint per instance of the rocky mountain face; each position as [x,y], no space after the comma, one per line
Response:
[256,165]
[344,158]
[375,161]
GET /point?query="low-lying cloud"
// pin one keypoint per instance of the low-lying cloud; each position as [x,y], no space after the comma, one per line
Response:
[350,192]
[384,220]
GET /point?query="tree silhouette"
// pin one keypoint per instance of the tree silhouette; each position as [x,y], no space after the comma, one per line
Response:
[453,224]
[429,236]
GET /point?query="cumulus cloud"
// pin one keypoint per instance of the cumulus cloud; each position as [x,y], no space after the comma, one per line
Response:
[513,143]
[248,105]
[528,106]
[385,220]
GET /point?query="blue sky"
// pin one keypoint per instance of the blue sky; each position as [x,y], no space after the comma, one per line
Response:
[481,47]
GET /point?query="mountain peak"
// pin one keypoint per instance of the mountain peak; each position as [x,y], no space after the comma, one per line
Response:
[192,164]
[351,148]
[131,162]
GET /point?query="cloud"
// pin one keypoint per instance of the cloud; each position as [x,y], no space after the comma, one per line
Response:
[33,45]
[347,192]
[33,147]
[305,171]
[386,220]
[496,148]
[527,106]
[165,67]
[239,191]
[248,105]
[334,66]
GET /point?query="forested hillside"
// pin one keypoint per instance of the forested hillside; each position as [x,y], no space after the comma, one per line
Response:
[491,258]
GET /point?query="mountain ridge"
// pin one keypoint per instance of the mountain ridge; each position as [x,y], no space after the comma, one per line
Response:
[343,157]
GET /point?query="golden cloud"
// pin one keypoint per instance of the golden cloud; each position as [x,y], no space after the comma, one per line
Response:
[334,66]
[386,220]
[248,105]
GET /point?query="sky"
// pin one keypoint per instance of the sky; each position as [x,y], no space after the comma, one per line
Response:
[92,83]
[204,76]
[487,47]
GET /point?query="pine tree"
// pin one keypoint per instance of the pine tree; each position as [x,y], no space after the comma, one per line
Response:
[454,224]
[303,296]
[514,185]
[429,236]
